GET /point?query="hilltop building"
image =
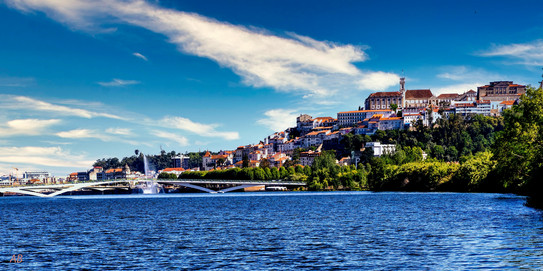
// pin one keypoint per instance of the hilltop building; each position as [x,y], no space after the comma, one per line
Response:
[351,118]
[418,98]
[381,149]
[500,91]
[383,100]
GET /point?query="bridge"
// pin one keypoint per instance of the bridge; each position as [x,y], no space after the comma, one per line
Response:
[234,184]
[53,190]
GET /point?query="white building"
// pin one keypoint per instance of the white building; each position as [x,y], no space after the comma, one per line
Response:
[351,118]
[380,149]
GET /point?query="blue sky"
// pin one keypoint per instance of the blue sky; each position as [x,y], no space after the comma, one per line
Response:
[83,80]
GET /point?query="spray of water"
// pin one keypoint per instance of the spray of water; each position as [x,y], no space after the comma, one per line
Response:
[150,186]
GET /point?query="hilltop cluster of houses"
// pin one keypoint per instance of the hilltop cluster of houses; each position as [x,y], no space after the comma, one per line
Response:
[381,111]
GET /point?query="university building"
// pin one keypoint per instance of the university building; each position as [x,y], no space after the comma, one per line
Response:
[500,91]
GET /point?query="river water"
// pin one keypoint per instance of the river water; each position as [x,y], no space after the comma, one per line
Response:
[280,231]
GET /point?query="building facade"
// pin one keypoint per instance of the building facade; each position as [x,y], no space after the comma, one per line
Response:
[418,98]
[500,91]
[351,118]
[383,100]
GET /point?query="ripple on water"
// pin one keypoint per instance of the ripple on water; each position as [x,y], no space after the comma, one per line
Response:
[283,231]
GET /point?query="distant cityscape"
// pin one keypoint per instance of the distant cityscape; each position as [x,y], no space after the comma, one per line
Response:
[396,110]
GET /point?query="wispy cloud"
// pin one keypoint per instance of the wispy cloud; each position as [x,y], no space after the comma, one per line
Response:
[138,55]
[279,119]
[119,131]
[84,133]
[118,83]
[288,62]
[378,80]
[27,127]
[530,53]
[43,156]
[465,73]
[181,140]
[459,79]
[16,81]
[22,103]
[207,130]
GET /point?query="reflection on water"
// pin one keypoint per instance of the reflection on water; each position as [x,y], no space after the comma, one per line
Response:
[250,231]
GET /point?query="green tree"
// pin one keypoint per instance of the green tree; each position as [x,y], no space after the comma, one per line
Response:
[275,173]
[519,147]
[245,161]
[394,107]
[264,163]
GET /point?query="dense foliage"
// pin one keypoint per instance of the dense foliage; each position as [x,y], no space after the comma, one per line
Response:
[519,147]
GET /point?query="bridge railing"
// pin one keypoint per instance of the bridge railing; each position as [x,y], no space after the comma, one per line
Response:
[215,181]
[229,181]
[67,183]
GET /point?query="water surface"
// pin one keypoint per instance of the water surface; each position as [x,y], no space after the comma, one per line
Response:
[340,230]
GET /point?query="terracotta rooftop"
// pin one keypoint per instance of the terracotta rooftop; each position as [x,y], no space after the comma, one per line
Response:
[447,96]
[173,169]
[385,94]
[365,111]
[418,94]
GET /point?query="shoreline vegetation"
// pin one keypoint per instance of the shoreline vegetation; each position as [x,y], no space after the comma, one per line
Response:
[465,154]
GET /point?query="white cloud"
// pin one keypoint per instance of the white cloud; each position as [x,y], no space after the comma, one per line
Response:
[43,156]
[30,127]
[9,102]
[465,73]
[378,80]
[181,140]
[207,130]
[118,83]
[119,131]
[16,81]
[138,55]
[530,53]
[279,119]
[84,133]
[289,63]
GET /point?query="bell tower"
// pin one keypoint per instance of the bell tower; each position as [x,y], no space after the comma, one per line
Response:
[402,89]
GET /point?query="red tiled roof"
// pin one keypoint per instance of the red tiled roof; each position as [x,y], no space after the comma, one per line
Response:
[365,111]
[418,93]
[508,102]
[385,94]
[323,118]
[447,96]
[215,157]
[173,169]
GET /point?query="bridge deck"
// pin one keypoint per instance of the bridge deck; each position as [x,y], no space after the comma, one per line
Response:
[37,190]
